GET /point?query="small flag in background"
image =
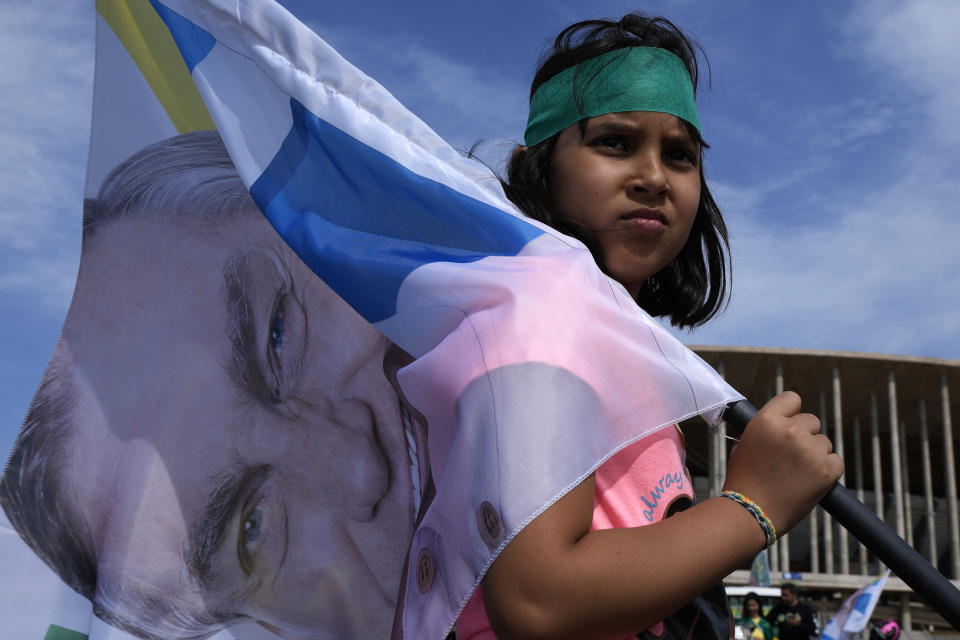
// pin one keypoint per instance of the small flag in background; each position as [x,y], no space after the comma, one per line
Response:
[854,614]
[760,570]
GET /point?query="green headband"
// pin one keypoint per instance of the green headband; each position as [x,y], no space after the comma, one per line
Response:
[630,79]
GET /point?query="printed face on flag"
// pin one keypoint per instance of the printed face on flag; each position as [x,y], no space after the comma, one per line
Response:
[219,438]
[234,442]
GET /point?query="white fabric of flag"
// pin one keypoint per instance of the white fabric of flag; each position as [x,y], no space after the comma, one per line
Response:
[499,339]
[854,614]
[532,366]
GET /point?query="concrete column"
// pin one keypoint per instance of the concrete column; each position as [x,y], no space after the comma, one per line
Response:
[722,452]
[815,532]
[907,503]
[858,478]
[875,451]
[783,544]
[815,540]
[712,461]
[815,513]
[929,510]
[839,448]
[773,551]
[951,476]
[717,441]
[895,455]
[724,445]
[906,618]
[877,469]
[827,519]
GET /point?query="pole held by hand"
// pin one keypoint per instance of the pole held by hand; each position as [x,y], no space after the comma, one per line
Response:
[854,516]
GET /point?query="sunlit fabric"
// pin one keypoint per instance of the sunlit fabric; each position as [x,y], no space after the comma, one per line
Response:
[531,366]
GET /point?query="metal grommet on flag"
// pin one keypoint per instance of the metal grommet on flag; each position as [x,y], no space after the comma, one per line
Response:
[489,525]
[425,570]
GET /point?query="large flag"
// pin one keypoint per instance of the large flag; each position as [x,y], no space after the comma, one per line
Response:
[220,444]
[854,614]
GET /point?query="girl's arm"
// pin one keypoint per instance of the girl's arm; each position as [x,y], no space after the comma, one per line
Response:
[558,579]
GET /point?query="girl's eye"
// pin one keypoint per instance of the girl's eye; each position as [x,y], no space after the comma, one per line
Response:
[611,142]
[684,156]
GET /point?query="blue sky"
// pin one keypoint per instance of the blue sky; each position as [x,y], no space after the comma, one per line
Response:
[834,153]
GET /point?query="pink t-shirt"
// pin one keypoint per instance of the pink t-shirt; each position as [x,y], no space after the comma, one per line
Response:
[633,488]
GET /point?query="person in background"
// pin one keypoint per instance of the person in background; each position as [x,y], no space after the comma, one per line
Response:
[752,618]
[885,630]
[792,619]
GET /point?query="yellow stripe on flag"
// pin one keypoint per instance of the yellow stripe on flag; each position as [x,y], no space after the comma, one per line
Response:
[148,41]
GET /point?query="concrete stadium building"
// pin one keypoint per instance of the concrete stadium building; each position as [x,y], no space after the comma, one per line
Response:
[891,418]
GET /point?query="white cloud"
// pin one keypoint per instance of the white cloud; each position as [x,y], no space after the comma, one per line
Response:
[914,45]
[832,126]
[881,276]
[871,264]
[44,127]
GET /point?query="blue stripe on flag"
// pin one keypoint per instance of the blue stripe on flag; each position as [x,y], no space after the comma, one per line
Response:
[863,602]
[194,43]
[362,221]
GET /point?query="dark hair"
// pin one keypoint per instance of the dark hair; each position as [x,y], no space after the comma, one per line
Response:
[695,286]
[752,596]
[789,586]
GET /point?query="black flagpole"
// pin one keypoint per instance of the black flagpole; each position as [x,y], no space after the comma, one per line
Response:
[876,535]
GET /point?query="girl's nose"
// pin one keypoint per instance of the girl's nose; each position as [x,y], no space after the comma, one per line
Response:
[648,175]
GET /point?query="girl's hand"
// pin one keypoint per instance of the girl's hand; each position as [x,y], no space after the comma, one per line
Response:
[558,579]
[783,462]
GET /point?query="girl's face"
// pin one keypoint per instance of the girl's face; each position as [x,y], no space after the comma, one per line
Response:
[633,179]
[752,607]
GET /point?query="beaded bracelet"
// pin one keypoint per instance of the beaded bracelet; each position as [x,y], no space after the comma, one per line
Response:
[756,512]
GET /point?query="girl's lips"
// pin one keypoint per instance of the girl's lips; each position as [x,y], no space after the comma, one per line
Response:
[646,225]
[645,220]
[644,214]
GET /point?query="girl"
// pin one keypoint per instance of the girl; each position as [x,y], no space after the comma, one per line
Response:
[752,619]
[613,157]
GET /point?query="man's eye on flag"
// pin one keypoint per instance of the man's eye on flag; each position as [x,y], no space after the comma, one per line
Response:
[326,417]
